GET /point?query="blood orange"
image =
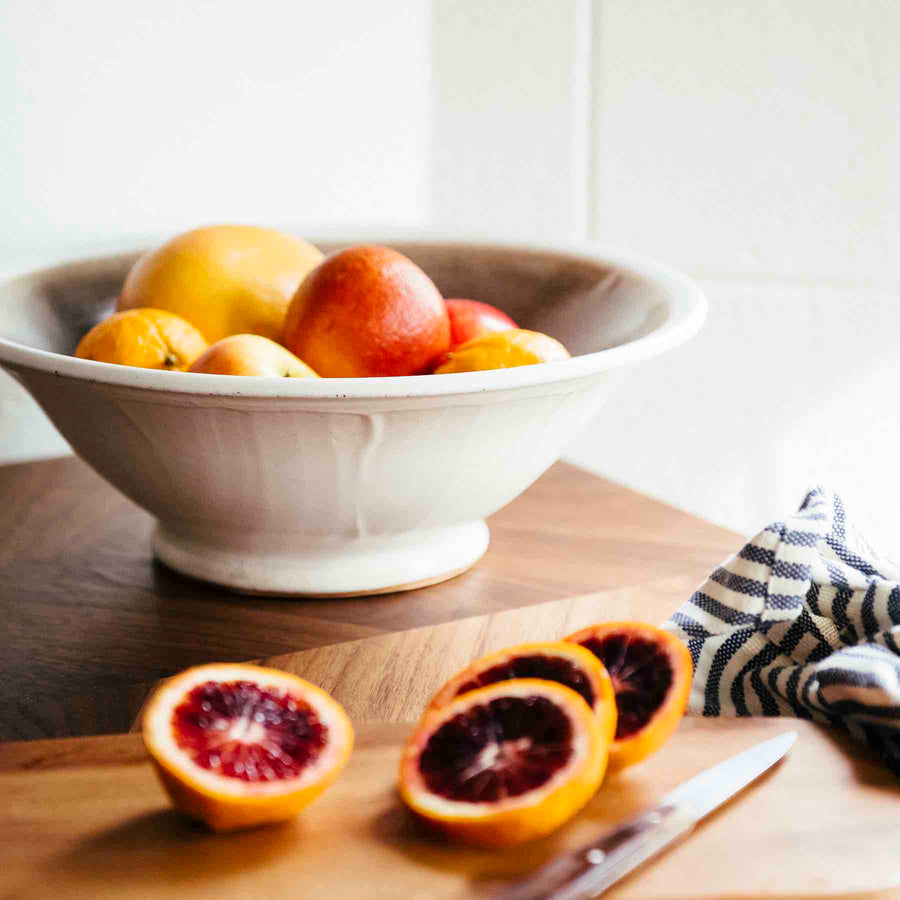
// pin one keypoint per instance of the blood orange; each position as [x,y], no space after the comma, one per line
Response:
[239,745]
[559,661]
[651,672]
[504,763]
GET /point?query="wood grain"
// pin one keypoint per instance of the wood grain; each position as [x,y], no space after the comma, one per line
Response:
[87,614]
[390,678]
[362,673]
[86,819]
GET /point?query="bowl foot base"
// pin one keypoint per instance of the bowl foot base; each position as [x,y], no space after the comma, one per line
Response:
[303,566]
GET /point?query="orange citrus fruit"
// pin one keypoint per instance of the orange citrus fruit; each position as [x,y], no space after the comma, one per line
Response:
[239,745]
[366,312]
[225,279]
[148,338]
[503,350]
[651,672]
[559,661]
[505,763]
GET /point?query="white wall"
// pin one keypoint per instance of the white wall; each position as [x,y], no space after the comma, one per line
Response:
[131,118]
[125,121]
[750,144]
[756,145]
[511,117]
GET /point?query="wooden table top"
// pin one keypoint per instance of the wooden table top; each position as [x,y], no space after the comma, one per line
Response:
[86,818]
[87,612]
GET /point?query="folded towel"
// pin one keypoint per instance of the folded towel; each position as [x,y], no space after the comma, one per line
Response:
[804,621]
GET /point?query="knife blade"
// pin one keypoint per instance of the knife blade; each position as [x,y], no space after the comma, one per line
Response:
[590,870]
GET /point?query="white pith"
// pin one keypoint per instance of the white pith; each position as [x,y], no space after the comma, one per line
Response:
[426,801]
[159,735]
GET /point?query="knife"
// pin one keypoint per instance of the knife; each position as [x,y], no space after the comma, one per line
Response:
[589,871]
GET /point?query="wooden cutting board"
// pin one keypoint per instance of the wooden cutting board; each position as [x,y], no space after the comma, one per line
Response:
[85,818]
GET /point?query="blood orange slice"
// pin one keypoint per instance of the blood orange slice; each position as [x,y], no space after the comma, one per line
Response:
[238,745]
[504,763]
[559,661]
[651,672]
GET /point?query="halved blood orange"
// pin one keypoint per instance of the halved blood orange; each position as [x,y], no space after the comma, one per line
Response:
[239,745]
[560,661]
[651,672]
[504,763]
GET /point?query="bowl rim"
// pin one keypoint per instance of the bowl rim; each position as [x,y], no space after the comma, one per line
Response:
[686,303]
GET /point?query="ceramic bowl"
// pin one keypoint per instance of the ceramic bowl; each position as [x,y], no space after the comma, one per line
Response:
[345,486]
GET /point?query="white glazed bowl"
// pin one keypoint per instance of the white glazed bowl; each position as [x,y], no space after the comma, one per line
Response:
[345,486]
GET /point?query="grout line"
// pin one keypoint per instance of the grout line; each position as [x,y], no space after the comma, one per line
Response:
[592,179]
[430,138]
[788,280]
[582,137]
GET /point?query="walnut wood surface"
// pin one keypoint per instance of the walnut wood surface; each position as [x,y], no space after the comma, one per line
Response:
[85,818]
[390,677]
[88,617]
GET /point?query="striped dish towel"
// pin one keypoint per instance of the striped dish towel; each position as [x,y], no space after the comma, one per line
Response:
[804,621]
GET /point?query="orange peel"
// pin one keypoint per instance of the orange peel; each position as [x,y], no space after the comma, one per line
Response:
[651,672]
[504,764]
[207,726]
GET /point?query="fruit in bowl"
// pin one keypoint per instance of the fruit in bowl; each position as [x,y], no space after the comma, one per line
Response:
[250,354]
[148,338]
[470,319]
[503,350]
[368,311]
[364,311]
[224,279]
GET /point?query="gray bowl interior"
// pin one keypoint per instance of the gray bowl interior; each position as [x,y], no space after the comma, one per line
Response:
[587,305]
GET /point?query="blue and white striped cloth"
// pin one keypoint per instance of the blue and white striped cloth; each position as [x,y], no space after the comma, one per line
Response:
[804,621]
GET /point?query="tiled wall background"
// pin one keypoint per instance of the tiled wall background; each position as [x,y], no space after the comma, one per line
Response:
[753,145]
[756,145]
[124,122]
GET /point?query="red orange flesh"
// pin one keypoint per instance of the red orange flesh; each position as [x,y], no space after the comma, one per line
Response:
[504,764]
[240,745]
[651,672]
